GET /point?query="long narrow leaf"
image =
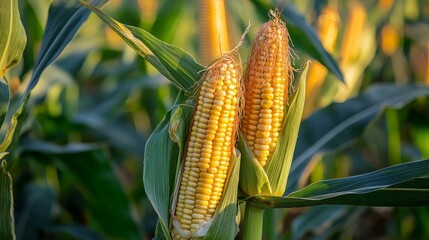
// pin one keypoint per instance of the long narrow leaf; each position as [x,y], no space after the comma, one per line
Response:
[4,100]
[33,211]
[7,231]
[160,153]
[404,184]
[174,63]
[90,168]
[303,35]
[64,20]
[342,123]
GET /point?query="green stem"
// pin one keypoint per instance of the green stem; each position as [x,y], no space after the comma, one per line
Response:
[253,222]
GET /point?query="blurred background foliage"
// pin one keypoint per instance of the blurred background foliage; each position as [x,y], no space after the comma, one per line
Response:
[79,174]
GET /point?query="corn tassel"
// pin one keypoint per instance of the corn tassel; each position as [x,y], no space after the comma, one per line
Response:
[214,38]
[209,148]
[266,85]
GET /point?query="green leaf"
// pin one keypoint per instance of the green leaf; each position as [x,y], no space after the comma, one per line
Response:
[162,153]
[64,20]
[342,123]
[7,231]
[320,221]
[278,166]
[12,38]
[178,129]
[172,62]
[15,126]
[402,185]
[302,34]
[73,231]
[4,100]
[225,225]
[34,210]
[90,167]
[167,17]
[253,179]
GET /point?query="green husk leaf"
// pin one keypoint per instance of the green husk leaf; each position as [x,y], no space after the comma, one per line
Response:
[4,100]
[160,153]
[7,231]
[163,150]
[225,225]
[12,38]
[172,62]
[401,185]
[278,166]
[253,179]
[178,128]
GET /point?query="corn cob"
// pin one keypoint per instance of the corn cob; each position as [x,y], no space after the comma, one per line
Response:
[385,5]
[389,40]
[209,147]
[214,38]
[426,77]
[352,33]
[266,85]
[327,28]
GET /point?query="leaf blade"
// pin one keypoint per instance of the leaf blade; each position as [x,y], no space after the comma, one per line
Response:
[403,185]
[174,63]
[7,227]
[89,166]
[341,123]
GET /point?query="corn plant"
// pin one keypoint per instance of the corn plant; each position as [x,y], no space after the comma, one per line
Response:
[232,147]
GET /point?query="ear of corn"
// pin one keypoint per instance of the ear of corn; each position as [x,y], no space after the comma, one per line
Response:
[209,149]
[214,38]
[389,40]
[327,28]
[426,77]
[352,33]
[266,85]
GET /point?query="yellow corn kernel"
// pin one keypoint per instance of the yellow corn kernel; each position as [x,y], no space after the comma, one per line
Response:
[214,38]
[210,145]
[327,28]
[266,85]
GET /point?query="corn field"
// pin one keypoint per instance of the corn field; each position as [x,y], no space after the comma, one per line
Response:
[214,119]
